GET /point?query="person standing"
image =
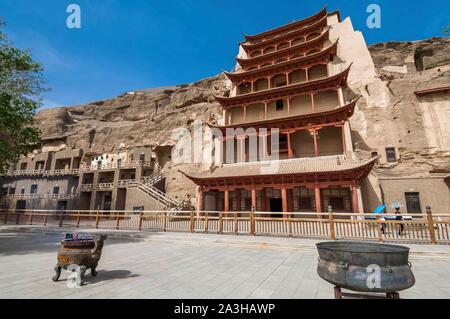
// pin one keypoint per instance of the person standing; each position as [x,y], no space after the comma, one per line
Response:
[399,218]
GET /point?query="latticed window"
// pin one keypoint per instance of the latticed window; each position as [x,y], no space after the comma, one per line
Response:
[303,199]
[338,198]
[220,201]
[259,200]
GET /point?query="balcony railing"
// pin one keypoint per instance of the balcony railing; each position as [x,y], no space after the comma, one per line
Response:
[42,172]
[99,186]
[40,196]
[132,164]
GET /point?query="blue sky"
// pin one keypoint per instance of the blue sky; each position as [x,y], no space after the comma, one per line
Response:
[131,45]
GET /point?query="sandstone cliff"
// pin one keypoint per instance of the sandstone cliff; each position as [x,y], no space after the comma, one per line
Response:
[389,114]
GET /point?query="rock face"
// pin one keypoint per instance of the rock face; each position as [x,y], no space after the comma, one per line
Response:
[405,67]
[388,114]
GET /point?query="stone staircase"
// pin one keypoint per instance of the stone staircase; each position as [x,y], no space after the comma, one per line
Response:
[147,186]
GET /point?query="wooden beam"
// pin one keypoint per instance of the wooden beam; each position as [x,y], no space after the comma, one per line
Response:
[253,197]
[289,144]
[284,198]
[226,204]
[355,197]
[316,148]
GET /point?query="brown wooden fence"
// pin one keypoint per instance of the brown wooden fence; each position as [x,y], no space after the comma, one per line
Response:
[418,228]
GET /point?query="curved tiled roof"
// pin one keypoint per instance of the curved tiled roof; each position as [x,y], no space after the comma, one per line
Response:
[294,166]
[287,26]
[323,55]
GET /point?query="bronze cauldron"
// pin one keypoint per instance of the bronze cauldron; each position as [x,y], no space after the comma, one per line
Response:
[82,253]
[354,265]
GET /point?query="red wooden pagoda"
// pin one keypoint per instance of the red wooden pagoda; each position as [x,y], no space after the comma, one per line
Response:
[287,78]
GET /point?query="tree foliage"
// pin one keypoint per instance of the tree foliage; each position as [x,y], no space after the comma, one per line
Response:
[21,86]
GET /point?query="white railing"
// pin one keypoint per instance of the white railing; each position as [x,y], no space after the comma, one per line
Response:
[131,164]
[42,172]
[40,196]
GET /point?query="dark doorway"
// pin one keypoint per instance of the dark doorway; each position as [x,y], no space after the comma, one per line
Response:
[62,205]
[21,204]
[337,203]
[413,203]
[276,205]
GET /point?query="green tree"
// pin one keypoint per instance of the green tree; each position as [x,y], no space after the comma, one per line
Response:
[21,86]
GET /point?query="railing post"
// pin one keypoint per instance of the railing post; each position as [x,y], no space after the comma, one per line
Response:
[431,225]
[331,220]
[165,222]
[45,219]
[97,219]
[206,222]
[380,233]
[141,216]
[60,219]
[78,220]
[17,218]
[31,218]
[192,221]
[6,217]
[252,221]
[235,223]
[290,224]
[220,231]
[117,221]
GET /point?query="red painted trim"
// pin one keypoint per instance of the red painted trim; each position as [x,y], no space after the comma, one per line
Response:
[324,56]
[286,52]
[334,81]
[286,27]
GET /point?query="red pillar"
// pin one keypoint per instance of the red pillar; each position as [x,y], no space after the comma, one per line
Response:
[284,198]
[316,148]
[264,147]
[254,198]
[265,110]
[355,197]
[313,106]
[288,101]
[226,204]
[343,140]
[225,114]
[289,145]
[242,146]
[318,200]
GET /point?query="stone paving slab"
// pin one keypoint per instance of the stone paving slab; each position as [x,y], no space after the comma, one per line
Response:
[181,265]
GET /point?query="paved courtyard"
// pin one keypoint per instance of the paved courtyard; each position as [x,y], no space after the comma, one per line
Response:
[177,265]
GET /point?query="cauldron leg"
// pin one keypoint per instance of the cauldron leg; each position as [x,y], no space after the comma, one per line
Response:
[337,292]
[57,273]
[82,272]
[94,271]
[392,295]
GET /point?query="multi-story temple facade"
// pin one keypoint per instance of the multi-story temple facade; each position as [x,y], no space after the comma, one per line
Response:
[310,117]
[69,179]
[289,79]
